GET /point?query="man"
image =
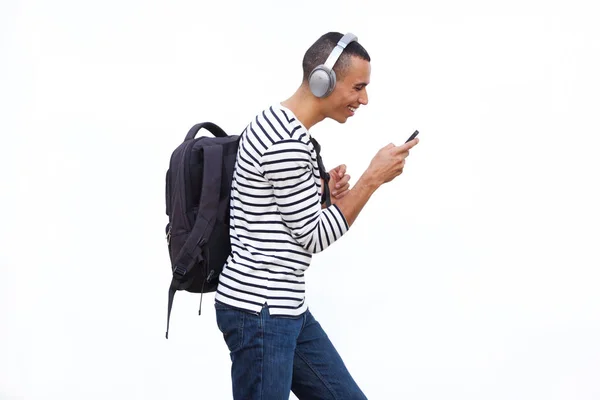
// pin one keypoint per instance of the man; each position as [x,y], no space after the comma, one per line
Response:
[278,221]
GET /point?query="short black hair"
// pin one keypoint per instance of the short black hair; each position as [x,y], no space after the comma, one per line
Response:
[319,51]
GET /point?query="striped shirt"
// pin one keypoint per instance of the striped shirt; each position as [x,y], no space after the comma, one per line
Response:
[277,221]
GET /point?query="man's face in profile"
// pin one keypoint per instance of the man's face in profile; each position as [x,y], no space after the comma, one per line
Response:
[350,90]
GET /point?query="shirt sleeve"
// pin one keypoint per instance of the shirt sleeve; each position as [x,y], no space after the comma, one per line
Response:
[288,166]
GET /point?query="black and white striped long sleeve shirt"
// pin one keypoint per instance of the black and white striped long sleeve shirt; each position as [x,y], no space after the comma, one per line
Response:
[277,221]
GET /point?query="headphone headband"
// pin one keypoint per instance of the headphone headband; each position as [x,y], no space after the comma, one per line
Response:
[339,48]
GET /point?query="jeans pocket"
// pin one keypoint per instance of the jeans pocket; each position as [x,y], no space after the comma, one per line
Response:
[231,323]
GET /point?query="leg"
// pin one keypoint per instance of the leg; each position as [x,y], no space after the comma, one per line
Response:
[261,350]
[319,372]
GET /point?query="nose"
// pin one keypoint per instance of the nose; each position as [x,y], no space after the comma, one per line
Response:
[364,97]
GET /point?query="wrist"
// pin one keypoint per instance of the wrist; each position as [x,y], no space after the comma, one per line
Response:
[369,181]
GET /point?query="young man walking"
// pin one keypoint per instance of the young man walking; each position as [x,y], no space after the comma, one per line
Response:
[279,219]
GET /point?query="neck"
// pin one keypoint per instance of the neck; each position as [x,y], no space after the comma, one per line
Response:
[305,106]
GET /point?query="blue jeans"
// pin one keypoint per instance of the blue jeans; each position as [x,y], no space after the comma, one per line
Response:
[272,355]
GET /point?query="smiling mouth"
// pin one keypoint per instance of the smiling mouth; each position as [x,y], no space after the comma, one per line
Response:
[353,109]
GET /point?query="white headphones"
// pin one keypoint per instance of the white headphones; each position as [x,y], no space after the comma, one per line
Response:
[322,79]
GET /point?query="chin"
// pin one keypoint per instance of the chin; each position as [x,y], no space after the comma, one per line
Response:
[338,117]
[341,119]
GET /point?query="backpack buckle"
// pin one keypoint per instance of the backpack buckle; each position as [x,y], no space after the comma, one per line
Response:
[179,271]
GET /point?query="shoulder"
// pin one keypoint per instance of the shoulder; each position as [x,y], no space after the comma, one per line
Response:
[276,124]
[281,123]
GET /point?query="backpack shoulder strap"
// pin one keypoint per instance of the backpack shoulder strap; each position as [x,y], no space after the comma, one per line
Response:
[325,196]
[205,221]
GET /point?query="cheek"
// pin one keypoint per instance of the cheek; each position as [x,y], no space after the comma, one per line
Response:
[339,102]
[346,100]
[353,97]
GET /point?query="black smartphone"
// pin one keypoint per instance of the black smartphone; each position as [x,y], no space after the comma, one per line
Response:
[414,135]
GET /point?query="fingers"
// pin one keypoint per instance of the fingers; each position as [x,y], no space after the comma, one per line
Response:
[407,146]
[342,186]
[341,169]
[343,182]
[338,194]
[341,194]
[403,151]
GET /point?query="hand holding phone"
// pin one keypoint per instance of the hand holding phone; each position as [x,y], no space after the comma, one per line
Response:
[414,135]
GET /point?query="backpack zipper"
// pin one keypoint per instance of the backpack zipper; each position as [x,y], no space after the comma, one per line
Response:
[210,275]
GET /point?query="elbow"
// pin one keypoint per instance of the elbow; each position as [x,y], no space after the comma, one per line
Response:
[317,241]
[309,240]
[313,247]
[309,243]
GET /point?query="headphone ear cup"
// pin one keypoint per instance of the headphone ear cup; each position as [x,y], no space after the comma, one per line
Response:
[332,82]
[321,81]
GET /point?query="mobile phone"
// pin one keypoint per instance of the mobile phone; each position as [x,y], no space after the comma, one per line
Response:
[414,135]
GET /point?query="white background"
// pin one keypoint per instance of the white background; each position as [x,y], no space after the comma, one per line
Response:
[474,275]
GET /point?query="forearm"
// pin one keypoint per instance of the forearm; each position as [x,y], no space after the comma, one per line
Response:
[352,203]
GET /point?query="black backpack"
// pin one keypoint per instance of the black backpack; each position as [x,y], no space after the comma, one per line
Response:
[198,185]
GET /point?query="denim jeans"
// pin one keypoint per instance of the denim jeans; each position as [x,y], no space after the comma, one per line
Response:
[272,355]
